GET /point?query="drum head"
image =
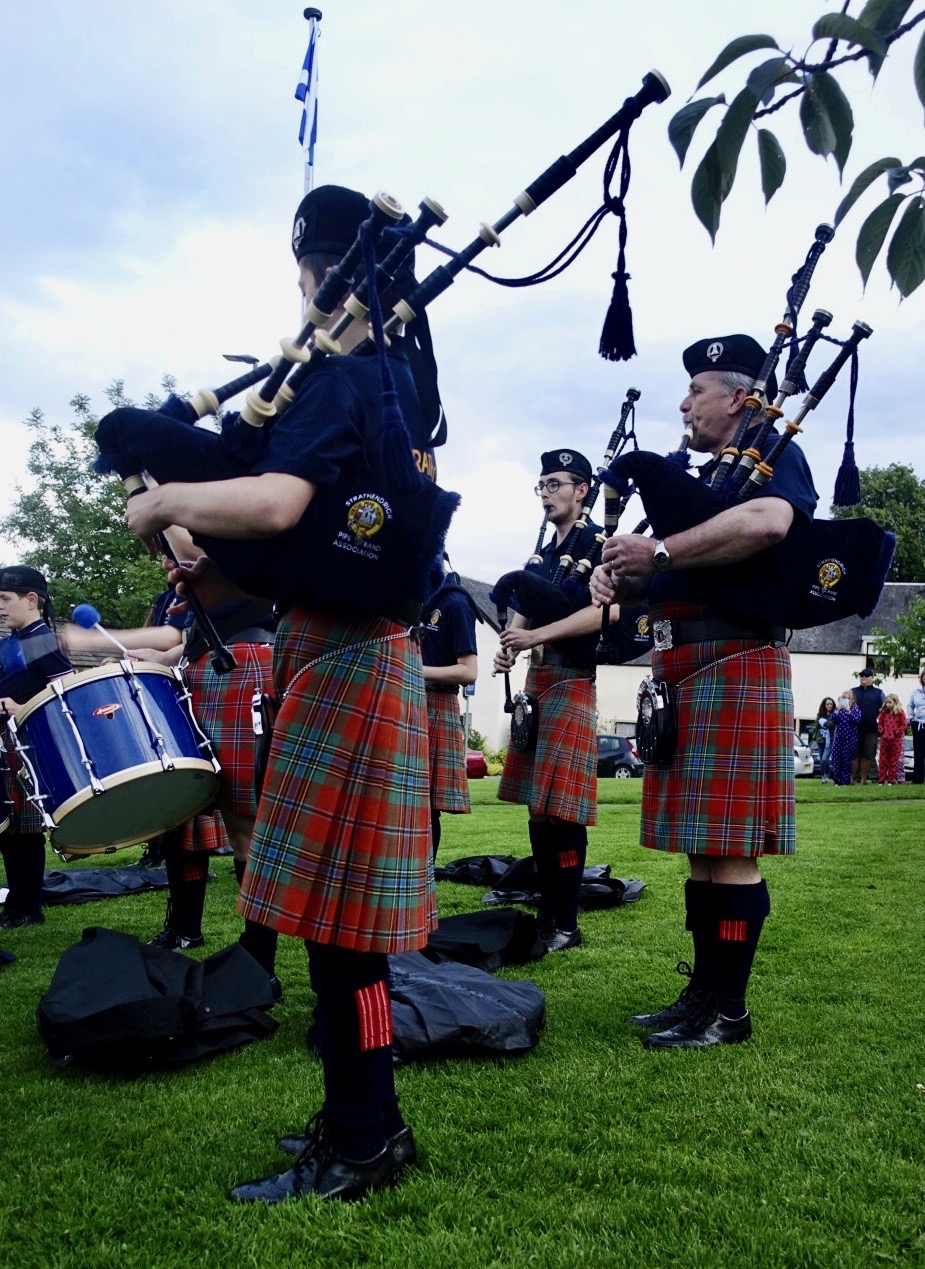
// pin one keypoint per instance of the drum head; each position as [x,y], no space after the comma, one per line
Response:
[135,805]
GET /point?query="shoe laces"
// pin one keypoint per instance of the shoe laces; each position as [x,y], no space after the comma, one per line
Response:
[319,1139]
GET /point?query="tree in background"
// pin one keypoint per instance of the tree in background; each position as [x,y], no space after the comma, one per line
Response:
[895,497]
[827,126]
[72,526]
[904,652]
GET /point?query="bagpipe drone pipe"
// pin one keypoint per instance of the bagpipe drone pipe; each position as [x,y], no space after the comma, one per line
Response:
[822,571]
[412,513]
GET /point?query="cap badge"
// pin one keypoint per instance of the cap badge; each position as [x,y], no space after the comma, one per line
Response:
[566,460]
[715,351]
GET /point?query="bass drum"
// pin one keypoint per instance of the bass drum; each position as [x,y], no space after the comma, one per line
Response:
[6,806]
[113,756]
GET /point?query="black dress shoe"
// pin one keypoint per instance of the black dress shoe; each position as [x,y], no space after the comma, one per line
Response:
[174,942]
[689,1002]
[19,920]
[702,1031]
[7,958]
[320,1170]
[276,987]
[402,1145]
[561,940]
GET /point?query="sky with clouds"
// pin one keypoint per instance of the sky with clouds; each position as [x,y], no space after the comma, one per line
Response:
[153,169]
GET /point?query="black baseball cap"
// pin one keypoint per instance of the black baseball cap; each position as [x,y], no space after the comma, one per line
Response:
[22,579]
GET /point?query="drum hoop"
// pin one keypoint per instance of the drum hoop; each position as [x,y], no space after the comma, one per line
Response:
[4,824]
[77,678]
[124,777]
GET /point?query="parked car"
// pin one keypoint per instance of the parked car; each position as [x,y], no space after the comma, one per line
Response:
[907,756]
[617,757]
[476,766]
[803,761]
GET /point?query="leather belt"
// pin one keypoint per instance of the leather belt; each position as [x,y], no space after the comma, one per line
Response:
[446,689]
[671,634]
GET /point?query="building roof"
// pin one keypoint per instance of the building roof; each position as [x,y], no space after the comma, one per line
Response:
[847,636]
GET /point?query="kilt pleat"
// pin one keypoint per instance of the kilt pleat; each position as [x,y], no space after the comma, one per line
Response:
[342,846]
[449,788]
[559,777]
[24,816]
[729,788]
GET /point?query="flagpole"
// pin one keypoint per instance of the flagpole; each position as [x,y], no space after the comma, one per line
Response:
[307,93]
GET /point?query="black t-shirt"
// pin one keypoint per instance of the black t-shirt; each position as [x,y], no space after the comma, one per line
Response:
[449,628]
[28,659]
[792,481]
[578,652]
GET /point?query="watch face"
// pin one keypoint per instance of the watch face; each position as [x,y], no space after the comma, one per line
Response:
[661,560]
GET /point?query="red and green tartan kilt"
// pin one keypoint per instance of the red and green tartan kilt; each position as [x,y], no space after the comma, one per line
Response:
[222,705]
[204,832]
[342,846]
[559,777]
[729,789]
[24,817]
[449,787]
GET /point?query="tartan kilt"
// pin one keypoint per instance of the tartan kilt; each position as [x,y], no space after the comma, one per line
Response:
[24,817]
[342,847]
[446,742]
[729,788]
[559,777]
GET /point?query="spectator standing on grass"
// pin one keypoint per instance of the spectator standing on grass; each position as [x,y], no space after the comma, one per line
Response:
[869,700]
[891,724]
[825,732]
[916,712]
[845,741]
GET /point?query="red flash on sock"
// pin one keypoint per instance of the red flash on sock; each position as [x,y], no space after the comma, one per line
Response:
[374,1014]
[568,858]
[733,931]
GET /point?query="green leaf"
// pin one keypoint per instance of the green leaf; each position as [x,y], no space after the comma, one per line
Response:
[730,136]
[838,26]
[683,125]
[897,176]
[905,258]
[873,232]
[918,70]
[738,48]
[706,192]
[831,98]
[818,132]
[884,16]
[764,78]
[773,164]
[861,183]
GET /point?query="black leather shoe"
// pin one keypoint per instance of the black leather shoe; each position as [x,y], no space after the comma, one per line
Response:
[276,987]
[323,1172]
[7,958]
[403,1146]
[561,940]
[19,920]
[702,1031]
[174,942]
[689,1002]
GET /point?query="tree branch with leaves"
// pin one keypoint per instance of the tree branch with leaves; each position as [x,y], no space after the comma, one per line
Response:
[827,123]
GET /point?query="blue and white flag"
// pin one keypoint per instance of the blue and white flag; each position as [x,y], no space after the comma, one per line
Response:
[307,92]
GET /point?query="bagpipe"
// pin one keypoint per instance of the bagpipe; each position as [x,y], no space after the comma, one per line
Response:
[544,600]
[411,513]
[823,570]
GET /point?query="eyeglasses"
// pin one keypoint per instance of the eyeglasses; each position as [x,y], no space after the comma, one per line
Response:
[553,486]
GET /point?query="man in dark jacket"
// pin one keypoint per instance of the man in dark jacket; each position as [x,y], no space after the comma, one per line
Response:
[869,700]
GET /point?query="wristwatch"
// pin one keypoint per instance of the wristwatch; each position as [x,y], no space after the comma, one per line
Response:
[661,560]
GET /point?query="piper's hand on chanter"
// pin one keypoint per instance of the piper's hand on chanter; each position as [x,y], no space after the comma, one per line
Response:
[194,571]
[628,555]
[504,661]
[517,639]
[146,517]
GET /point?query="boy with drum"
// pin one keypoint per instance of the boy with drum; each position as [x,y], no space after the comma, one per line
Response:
[29,659]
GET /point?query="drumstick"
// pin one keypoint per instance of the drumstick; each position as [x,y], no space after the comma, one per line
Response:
[86,616]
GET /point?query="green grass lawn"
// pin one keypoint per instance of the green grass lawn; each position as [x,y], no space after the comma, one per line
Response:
[803,1147]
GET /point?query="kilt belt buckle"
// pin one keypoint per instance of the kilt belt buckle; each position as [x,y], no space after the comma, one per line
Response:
[661,635]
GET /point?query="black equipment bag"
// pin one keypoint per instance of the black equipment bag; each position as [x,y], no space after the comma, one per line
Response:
[520,884]
[452,1010]
[487,940]
[118,1005]
[474,870]
[85,885]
